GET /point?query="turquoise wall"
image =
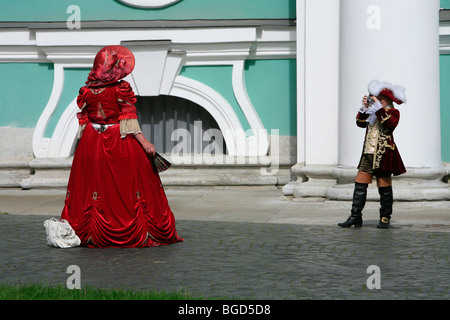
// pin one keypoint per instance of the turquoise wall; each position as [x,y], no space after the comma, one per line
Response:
[445,4]
[26,89]
[272,88]
[445,98]
[445,106]
[56,10]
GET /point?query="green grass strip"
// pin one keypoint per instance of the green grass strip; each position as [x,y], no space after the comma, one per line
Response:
[48,292]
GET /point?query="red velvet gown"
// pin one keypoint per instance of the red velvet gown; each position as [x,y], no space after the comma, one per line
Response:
[114,198]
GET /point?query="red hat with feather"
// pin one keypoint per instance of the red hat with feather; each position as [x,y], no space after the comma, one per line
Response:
[395,92]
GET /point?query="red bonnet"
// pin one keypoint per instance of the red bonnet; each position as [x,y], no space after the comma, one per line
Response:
[111,64]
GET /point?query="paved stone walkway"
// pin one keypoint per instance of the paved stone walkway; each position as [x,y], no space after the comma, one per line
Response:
[243,260]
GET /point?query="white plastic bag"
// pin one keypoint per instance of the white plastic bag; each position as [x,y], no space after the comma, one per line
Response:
[60,234]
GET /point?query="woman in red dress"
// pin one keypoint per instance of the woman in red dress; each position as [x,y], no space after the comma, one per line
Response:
[114,197]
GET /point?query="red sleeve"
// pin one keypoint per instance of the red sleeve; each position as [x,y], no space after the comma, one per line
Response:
[81,99]
[126,99]
[388,119]
[81,102]
[361,120]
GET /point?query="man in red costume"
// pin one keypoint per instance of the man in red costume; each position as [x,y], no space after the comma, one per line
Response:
[114,197]
[380,156]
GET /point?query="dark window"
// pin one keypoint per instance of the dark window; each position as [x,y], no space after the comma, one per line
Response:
[170,122]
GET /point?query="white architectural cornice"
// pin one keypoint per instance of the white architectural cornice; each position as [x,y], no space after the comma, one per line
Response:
[64,45]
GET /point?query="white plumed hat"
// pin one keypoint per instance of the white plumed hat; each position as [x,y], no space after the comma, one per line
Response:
[395,92]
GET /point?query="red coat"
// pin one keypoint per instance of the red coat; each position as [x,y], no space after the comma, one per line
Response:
[387,158]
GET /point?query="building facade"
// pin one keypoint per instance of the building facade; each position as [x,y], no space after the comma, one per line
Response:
[253,92]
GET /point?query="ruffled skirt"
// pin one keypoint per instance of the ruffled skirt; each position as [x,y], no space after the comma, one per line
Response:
[114,198]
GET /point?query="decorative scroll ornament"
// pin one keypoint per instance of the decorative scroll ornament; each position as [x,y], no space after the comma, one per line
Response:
[149,3]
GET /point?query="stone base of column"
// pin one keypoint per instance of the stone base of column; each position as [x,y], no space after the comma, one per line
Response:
[336,183]
[312,181]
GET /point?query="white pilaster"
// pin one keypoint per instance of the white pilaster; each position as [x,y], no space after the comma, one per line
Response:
[301,79]
[317,94]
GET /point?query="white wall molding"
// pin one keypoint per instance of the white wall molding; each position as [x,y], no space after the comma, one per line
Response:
[158,66]
[258,143]
[200,43]
[63,137]
[149,3]
[218,107]
[41,144]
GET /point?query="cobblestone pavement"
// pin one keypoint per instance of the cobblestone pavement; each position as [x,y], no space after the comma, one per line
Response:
[242,260]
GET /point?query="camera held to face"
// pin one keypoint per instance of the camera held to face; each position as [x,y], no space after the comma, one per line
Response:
[370,100]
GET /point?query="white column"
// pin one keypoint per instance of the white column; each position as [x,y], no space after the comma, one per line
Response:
[395,41]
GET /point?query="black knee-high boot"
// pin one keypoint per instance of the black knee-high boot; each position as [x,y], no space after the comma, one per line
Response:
[386,202]
[359,201]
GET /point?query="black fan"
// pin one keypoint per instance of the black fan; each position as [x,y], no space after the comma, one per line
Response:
[159,163]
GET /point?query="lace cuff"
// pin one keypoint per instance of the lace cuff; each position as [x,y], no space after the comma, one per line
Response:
[371,111]
[129,126]
[80,130]
[374,108]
